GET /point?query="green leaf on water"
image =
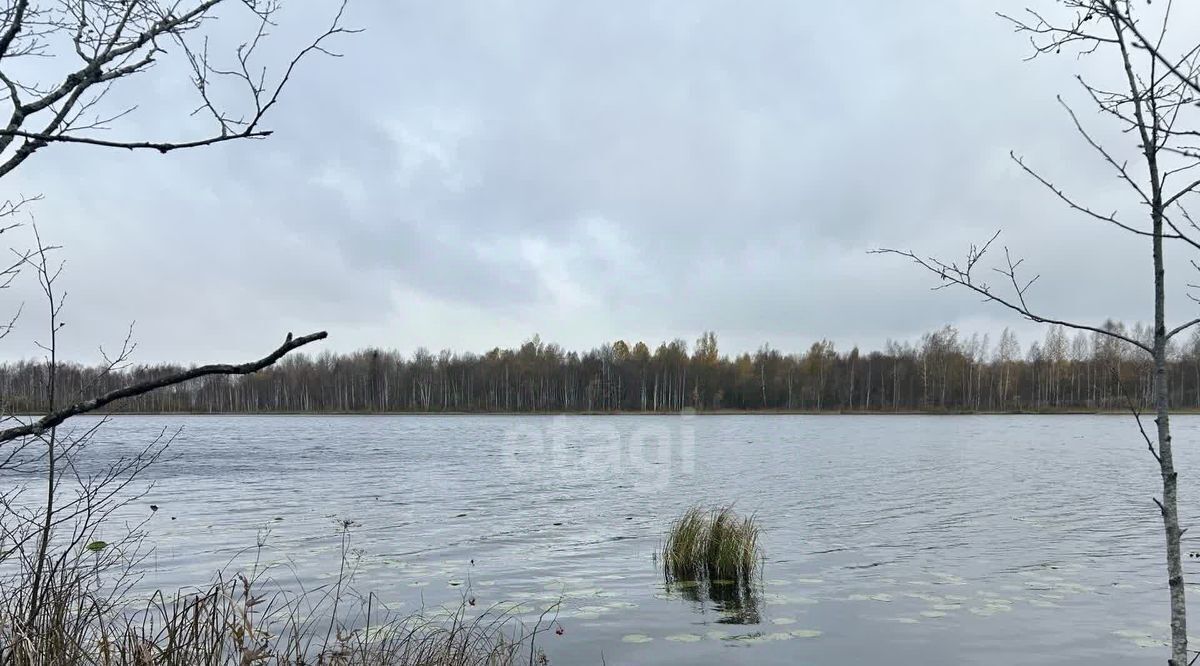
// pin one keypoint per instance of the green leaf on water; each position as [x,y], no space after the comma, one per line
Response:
[636,638]
[96,546]
[806,633]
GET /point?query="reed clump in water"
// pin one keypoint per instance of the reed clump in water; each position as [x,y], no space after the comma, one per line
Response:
[712,545]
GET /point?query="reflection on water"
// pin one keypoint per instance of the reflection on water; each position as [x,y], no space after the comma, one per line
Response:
[735,601]
[945,540]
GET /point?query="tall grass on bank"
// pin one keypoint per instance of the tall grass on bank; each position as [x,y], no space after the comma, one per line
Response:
[252,620]
[232,623]
[712,545]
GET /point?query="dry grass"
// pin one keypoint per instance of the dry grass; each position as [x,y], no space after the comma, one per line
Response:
[712,545]
[230,623]
[252,620]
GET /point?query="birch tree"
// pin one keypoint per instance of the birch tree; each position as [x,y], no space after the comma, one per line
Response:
[1151,97]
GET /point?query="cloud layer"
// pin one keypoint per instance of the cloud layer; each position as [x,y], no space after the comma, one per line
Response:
[470,174]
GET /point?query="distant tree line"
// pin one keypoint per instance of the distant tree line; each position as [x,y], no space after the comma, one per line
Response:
[944,371]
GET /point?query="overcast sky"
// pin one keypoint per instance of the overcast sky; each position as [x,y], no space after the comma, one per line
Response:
[472,173]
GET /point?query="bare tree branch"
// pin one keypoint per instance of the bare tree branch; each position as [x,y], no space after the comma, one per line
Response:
[1156,52]
[952,274]
[1181,328]
[1182,193]
[115,41]
[162,147]
[57,417]
[1111,219]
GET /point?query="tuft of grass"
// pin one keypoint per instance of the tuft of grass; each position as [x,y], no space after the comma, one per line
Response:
[712,545]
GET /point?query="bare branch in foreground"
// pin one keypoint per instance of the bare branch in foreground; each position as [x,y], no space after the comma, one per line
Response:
[57,417]
[118,41]
[1181,328]
[952,274]
[1189,79]
[1137,415]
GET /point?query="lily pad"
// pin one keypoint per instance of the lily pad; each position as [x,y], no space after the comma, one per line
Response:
[806,633]
[760,637]
[1130,633]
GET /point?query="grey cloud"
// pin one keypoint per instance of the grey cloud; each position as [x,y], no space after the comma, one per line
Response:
[470,174]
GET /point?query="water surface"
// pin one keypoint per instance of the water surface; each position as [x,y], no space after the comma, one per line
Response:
[888,539]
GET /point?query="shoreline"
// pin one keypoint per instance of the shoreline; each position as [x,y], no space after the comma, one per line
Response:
[719,412]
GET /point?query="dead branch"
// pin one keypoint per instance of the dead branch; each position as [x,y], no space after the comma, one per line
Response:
[57,417]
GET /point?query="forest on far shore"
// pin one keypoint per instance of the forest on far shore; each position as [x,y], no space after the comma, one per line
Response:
[944,371]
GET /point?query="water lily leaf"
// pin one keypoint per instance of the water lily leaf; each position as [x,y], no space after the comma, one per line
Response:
[806,633]
[96,546]
[1130,633]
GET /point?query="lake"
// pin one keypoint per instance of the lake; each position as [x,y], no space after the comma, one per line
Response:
[888,539]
